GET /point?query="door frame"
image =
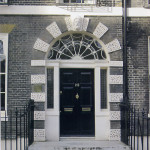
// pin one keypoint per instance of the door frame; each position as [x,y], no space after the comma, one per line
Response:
[100,114]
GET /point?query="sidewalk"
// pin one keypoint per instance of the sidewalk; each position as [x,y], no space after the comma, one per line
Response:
[79,145]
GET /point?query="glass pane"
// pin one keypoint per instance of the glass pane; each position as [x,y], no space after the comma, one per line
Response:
[50,98]
[2,83]
[2,101]
[1,47]
[82,46]
[103,88]
[66,1]
[2,67]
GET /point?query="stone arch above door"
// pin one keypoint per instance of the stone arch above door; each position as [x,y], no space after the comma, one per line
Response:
[77,24]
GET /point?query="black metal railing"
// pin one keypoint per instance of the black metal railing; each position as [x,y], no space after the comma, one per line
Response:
[135,127]
[18,127]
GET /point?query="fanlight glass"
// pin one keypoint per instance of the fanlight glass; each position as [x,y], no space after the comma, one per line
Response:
[77,46]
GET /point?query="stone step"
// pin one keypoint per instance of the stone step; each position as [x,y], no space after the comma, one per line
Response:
[79,145]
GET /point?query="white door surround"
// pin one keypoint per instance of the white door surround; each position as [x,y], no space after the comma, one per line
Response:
[101,115]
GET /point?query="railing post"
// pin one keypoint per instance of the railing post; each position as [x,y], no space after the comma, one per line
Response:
[29,114]
[24,127]
[20,130]
[138,131]
[129,121]
[31,122]
[134,126]
[147,131]
[16,127]
[27,126]
[5,132]
[131,125]
[10,130]
[142,129]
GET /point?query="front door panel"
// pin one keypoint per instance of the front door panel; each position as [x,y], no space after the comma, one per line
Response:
[76,102]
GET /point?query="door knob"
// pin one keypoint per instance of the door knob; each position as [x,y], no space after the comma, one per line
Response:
[77,96]
[77,84]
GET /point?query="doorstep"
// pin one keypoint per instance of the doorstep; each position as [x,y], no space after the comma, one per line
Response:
[79,145]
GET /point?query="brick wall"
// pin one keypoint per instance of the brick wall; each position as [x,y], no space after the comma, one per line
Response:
[28,28]
[138,32]
[21,40]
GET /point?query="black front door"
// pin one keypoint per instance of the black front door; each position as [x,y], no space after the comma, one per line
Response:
[77,102]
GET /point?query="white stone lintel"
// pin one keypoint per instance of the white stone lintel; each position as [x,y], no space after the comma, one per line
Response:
[41,45]
[116,97]
[116,63]
[39,115]
[38,63]
[115,115]
[38,97]
[54,30]
[77,23]
[38,79]
[115,79]
[100,30]
[115,134]
[39,135]
[113,46]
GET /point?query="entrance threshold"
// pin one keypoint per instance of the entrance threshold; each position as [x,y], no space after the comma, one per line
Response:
[77,138]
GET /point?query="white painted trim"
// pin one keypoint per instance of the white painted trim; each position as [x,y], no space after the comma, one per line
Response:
[37,62]
[52,63]
[54,10]
[138,12]
[77,63]
[116,63]
[149,68]
[97,90]
[2,115]
[99,113]
[56,88]
[4,38]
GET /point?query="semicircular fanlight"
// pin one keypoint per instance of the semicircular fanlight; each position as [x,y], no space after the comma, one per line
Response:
[77,46]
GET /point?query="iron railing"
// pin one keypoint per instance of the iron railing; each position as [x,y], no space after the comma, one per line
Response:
[135,127]
[18,126]
[100,3]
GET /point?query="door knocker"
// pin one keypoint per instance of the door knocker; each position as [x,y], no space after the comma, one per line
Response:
[77,96]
